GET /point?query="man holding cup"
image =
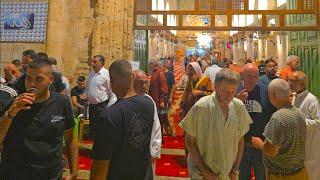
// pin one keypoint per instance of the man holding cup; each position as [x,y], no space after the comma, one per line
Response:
[33,127]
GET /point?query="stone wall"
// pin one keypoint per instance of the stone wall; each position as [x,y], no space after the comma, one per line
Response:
[79,29]
[112,34]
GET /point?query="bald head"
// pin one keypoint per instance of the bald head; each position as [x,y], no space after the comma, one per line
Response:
[11,72]
[10,66]
[250,67]
[121,78]
[299,76]
[140,82]
[298,81]
[250,76]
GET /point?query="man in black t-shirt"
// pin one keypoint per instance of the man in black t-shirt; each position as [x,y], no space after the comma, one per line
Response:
[56,85]
[33,128]
[78,95]
[255,98]
[121,147]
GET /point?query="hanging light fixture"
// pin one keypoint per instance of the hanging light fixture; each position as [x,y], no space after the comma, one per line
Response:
[204,40]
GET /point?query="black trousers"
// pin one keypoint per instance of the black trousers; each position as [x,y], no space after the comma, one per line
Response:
[31,172]
[94,113]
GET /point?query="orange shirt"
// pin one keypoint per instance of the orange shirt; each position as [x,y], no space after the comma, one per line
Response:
[285,73]
[235,68]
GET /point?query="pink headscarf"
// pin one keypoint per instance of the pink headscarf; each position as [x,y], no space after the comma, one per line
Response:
[197,68]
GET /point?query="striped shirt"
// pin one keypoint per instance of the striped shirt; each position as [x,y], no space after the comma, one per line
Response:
[287,129]
[6,97]
[8,90]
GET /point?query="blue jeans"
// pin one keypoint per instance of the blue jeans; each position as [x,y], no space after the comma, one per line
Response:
[251,157]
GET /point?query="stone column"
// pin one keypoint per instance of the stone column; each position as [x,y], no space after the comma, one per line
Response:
[167,48]
[112,34]
[235,49]
[271,47]
[242,52]
[282,48]
[59,39]
[151,45]
[69,27]
[272,4]
[262,48]
[250,50]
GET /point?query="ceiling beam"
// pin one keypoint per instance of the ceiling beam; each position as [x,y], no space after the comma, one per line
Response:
[204,28]
[202,12]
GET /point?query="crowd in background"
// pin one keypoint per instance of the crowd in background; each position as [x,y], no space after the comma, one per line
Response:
[235,118]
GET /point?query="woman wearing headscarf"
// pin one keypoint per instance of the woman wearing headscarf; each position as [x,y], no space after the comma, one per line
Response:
[198,85]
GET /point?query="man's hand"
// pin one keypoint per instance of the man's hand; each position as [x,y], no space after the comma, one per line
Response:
[243,95]
[71,177]
[197,93]
[169,102]
[257,142]
[83,96]
[154,159]
[161,105]
[233,176]
[22,102]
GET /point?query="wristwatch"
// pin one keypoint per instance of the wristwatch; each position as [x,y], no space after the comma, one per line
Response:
[7,114]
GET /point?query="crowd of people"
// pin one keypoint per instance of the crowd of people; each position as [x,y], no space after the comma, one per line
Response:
[235,119]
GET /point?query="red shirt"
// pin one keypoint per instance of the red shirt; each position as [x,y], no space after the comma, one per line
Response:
[158,89]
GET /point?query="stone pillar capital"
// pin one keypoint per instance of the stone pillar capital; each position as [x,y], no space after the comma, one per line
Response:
[235,39]
[242,35]
[281,33]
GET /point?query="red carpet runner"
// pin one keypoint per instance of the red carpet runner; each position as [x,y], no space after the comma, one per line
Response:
[169,165]
[173,165]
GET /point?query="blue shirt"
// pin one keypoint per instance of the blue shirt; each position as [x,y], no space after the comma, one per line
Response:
[265,80]
[260,110]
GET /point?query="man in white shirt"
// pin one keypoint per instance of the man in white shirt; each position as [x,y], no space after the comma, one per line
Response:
[140,85]
[98,90]
[309,105]
[304,100]
[215,126]
[212,71]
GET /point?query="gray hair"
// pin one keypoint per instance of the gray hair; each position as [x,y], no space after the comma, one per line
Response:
[153,61]
[137,73]
[281,87]
[228,75]
[214,61]
[291,58]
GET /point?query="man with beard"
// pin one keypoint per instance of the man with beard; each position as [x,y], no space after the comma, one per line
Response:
[271,70]
[33,128]
[214,128]
[11,74]
[293,64]
[140,85]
